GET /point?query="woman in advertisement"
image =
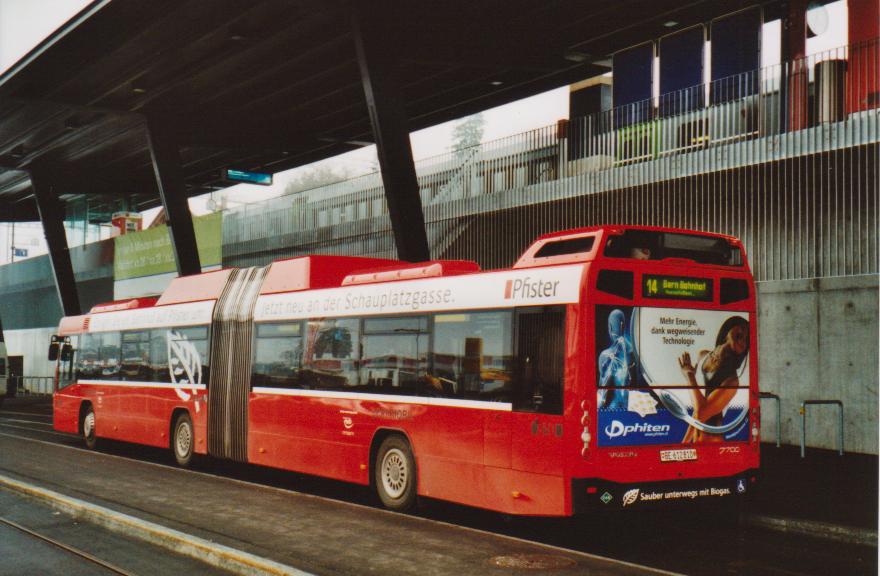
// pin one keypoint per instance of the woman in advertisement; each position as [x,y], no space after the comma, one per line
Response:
[720,374]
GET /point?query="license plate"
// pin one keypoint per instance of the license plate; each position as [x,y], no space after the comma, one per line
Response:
[678,455]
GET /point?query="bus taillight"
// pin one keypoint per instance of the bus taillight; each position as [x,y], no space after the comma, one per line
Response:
[585,433]
[756,424]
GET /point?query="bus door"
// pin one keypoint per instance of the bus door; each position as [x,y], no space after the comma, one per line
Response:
[537,422]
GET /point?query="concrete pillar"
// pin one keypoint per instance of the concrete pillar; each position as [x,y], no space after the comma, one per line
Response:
[374,44]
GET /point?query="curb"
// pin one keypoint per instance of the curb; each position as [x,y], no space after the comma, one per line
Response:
[836,532]
[210,553]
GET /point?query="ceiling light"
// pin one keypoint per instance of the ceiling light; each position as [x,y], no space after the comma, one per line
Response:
[670,24]
[138,89]
[496,82]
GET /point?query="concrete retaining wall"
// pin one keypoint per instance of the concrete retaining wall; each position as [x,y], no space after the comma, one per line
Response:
[818,339]
[32,344]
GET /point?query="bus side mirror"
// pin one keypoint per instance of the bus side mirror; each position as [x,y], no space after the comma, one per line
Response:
[53,349]
[66,352]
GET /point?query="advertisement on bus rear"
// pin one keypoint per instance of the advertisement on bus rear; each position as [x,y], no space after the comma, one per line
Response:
[671,376]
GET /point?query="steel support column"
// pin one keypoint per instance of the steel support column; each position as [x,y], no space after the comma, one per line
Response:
[794,89]
[44,180]
[165,154]
[374,44]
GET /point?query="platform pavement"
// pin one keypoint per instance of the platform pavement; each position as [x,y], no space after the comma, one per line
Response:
[823,495]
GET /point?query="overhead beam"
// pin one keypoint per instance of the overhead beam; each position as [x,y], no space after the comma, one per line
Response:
[231,130]
[45,180]
[23,211]
[390,129]
[165,154]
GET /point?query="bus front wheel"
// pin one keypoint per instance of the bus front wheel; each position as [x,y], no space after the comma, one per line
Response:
[88,428]
[183,441]
[395,474]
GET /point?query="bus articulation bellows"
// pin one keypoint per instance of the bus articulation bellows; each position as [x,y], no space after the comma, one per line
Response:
[610,368]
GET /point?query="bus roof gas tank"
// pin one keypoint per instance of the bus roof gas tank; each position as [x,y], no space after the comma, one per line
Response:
[431,269]
[311,272]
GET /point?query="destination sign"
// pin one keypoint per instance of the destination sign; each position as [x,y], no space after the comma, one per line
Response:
[248,177]
[677,288]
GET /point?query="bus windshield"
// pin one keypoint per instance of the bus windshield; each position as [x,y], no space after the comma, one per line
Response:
[655,245]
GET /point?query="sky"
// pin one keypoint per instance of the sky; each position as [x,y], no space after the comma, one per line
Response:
[24,23]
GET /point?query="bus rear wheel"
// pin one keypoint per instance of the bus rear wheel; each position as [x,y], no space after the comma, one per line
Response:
[183,440]
[395,474]
[88,428]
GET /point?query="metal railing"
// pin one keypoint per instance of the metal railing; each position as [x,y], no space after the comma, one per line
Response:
[775,397]
[784,157]
[25,385]
[803,412]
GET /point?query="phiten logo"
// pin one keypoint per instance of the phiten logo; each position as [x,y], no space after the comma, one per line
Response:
[184,365]
[630,496]
[618,428]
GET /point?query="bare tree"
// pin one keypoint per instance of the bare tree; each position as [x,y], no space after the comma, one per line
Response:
[468,132]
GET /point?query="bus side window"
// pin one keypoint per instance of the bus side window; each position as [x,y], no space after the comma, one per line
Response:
[332,354]
[136,356]
[67,370]
[278,352]
[395,354]
[159,356]
[540,359]
[195,336]
[99,356]
[472,356]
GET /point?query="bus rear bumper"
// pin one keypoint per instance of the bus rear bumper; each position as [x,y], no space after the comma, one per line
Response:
[594,494]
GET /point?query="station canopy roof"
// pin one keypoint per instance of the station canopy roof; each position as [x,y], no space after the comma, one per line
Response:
[267,85]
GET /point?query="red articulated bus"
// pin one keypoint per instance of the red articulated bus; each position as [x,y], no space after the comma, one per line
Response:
[610,368]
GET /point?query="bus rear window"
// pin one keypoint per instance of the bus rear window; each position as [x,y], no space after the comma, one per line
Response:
[652,245]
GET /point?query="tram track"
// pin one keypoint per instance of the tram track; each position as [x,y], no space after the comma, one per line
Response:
[67,548]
